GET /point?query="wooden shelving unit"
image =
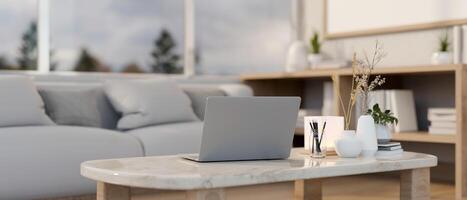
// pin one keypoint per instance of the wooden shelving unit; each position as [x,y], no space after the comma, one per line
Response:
[400,77]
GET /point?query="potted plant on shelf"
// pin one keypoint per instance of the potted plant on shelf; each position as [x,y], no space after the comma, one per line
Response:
[442,56]
[382,120]
[315,57]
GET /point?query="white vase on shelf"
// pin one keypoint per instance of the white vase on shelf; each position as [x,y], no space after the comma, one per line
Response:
[366,133]
[297,57]
[348,146]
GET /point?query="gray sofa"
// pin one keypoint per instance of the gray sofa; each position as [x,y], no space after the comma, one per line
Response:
[43,161]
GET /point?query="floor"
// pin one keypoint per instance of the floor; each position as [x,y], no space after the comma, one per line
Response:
[377,188]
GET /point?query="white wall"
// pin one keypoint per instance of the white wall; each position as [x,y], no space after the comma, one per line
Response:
[409,48]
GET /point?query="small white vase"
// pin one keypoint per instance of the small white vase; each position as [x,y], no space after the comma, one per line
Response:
[348,146]
[438,58]
[383,134]
[314,59]
[366,133]
[297,57]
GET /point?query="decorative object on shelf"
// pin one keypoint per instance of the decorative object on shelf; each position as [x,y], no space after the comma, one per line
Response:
[457,44]
[328,99]
[315,49]
[348,146]
[383,120]
[442,121]
[297,57]
[334,127]
[442,56]
[318,149]
[401,103]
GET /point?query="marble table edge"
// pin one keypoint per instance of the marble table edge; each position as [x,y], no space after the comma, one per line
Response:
[174,182]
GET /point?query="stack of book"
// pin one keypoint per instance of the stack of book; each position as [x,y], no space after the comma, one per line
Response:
[442,120]
[389,149]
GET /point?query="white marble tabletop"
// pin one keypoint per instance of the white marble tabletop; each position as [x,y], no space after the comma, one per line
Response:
[176,173]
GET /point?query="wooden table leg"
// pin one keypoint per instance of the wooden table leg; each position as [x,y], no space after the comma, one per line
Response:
[415,184]
[308,190]
[106,191]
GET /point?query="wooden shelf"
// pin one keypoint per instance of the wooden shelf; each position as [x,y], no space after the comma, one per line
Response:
[412,137]
[328,73]
[424,137]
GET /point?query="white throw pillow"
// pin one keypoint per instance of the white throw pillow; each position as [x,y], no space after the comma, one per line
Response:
[148,102]
[20,103]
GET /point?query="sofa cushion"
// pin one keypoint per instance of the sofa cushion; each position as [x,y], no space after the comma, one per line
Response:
[170,139]
[20,103]
[44,161]
[73,107]
[199,94]
[148,102]
[107,116]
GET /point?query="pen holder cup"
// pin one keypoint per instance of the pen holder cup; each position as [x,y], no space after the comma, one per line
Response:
[317,151]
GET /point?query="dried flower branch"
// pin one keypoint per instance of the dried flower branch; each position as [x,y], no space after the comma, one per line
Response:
[365,69]
[361,85]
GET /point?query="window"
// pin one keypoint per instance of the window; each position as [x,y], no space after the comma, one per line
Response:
[235,36]
[162,36]
[18,49]
[117,35]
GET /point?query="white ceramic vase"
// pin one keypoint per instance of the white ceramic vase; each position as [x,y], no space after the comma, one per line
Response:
[315,59]
[438,58]
[383,134]
[348,146]
[366,133]
[297,57]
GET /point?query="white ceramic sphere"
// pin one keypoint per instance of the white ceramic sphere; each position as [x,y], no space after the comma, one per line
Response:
[348,146]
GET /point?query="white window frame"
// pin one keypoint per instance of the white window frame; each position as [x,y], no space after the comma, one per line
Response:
[43,36]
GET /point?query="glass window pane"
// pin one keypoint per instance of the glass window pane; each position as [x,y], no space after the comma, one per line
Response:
[117,35]
[18,35]
[236,36]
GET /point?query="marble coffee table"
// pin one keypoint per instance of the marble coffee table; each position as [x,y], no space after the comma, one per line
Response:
[299,177]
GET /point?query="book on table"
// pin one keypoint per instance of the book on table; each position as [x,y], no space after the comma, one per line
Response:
[389,149]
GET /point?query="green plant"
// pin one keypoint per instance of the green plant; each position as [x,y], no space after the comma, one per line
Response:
[384,118]
[315,43]
[444,43]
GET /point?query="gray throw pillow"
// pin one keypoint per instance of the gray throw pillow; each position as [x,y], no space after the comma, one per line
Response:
[199,95]
[148,102]
[20,103]
[72,107]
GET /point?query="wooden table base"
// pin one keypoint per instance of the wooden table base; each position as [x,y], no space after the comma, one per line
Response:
[415,185]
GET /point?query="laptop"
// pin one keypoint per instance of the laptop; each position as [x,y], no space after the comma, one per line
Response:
[247,128]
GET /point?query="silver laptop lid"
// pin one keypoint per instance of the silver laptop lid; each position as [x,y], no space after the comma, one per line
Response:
[246,128]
